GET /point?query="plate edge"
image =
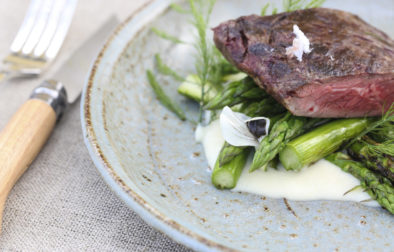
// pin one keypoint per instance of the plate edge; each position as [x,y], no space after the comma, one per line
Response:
[168,226]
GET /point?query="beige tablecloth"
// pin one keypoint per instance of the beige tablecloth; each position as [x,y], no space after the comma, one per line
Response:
[61,203]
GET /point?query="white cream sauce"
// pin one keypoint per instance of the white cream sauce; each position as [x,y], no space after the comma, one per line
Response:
[320,181]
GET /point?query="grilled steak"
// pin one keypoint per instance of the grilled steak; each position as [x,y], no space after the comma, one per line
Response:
[348,73]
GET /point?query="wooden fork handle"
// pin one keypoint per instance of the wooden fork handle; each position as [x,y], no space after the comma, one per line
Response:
[26,133]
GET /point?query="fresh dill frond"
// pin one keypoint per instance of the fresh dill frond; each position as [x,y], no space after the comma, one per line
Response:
[314,4]
[379,128]
[292,5]
[201,11]
[220,68]
[179,9]
[166,70]
[264,9]
[386,147]
[166,36]
[163,97]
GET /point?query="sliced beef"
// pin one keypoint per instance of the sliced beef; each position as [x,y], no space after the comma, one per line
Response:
[348,73]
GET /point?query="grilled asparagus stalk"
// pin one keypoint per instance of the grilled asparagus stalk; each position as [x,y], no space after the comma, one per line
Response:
[226,176]
[378,187]
[320,142]
[236,92]
[281,133]
[375,161]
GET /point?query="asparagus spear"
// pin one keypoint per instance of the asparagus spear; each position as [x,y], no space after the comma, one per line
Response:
[266,107]
[234,77]
[221,68]
[373,160]
[320,142]
[226,176]
[191,88]
[236,92]
[282,132]
[228,153]
[377,186]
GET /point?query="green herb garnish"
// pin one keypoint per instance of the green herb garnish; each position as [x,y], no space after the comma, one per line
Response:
[201,11]
[163,97]
[166,36]
[264,9]
[292,5]
[165,69]
[381,129]
[386,147]
[179,9]
[314,4]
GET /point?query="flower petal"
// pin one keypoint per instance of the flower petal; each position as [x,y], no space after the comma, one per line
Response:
[235,130]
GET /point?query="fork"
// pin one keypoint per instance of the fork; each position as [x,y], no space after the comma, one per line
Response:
[39,38]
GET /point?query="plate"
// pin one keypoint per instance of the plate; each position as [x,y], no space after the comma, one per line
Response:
[152,162]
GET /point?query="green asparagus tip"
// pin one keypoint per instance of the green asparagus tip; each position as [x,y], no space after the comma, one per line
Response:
[377,186]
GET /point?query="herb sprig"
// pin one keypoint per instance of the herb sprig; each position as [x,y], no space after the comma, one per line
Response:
[386,147]
[164,69]
[381,129]
[264,9]
[163,97]
[179,9]
[164,35]
[201,11]
[292,5]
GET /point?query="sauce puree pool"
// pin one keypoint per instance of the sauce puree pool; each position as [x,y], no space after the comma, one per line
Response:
[319,181]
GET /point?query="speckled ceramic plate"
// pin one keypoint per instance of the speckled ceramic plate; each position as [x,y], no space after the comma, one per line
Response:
[150,159]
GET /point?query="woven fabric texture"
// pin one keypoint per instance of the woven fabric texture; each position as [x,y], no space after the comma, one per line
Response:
[61,203]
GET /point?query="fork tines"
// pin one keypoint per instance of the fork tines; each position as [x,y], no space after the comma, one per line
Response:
[41,34]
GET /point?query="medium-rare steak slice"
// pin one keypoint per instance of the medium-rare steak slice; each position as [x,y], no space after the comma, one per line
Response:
[348,73]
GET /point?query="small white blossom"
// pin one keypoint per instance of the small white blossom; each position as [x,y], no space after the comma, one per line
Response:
[300,44]
[235,130]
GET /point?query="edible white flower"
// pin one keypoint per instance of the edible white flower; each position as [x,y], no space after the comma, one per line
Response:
[241,130]
[300,44]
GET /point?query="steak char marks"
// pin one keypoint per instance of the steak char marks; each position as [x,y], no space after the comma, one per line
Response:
[348,73]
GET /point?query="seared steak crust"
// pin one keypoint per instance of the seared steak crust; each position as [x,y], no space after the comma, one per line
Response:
[349,73]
